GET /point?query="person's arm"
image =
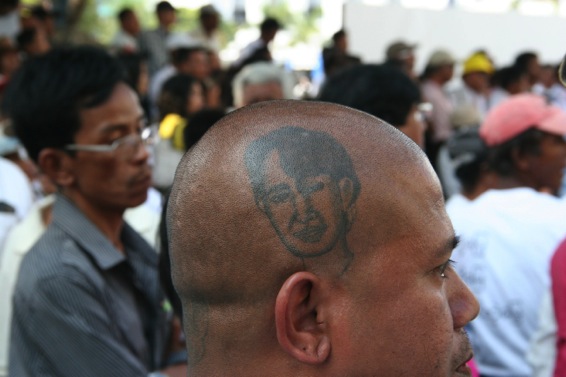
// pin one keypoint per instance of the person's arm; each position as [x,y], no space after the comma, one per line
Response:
[67,323]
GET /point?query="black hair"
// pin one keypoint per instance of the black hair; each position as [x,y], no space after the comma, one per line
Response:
[429,71]
[468,154]
[303,153]
[338,35]
[380,90]
[269,23]
[25,38]
[132,64]
[45,96]
[522,60]
[40,13]
[201,121]
[124,13]
[174,95]
[502,157]
[182,54]
[507,76]
[9,3]
[164,6]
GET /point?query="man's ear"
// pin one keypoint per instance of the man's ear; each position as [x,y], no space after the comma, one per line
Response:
[300,320]
[57,165]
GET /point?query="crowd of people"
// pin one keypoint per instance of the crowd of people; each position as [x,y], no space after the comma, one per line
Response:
[305,236]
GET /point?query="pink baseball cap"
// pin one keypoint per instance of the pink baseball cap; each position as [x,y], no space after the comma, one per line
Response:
[517,114]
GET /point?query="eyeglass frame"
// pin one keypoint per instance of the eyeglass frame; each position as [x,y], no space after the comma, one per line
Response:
[146,138]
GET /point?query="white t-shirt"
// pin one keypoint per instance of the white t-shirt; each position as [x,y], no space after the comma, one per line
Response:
[16,196]
[542,352]
[457,207]
[507,239]
[465,96]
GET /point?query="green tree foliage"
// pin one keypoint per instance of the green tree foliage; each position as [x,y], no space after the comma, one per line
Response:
[301,26]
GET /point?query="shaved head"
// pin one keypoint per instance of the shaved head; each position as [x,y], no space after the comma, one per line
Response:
[275,218]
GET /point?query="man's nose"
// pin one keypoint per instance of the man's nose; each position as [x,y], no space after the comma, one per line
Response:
[303,211]
[463,303]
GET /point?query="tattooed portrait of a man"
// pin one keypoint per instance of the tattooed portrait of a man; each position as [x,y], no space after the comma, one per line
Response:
[305,183]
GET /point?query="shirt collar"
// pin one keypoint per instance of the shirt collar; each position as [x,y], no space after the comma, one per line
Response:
[72,221]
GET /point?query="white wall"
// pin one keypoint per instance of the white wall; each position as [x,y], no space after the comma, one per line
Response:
[372,28]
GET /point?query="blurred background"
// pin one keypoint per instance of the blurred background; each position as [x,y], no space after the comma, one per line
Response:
[502,27]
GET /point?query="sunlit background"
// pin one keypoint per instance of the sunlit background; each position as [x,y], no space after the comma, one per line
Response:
[310,23]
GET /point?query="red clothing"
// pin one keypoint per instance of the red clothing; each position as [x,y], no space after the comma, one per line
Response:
[558,276]
[474,368]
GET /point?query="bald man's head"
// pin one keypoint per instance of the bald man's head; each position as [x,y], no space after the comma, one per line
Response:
[282,219]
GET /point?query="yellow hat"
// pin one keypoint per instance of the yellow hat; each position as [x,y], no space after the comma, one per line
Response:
[478,63]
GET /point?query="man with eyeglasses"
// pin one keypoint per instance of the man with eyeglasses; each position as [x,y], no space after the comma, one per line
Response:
[87,301]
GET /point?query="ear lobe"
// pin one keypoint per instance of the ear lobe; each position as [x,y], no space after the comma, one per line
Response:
[57,165]
[299,319]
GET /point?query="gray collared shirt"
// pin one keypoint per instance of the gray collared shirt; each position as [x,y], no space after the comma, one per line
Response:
[82,308]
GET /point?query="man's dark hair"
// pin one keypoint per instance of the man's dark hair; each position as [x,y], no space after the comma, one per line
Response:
[182,54]
[268,24]
[522,60]
[201,122]
[7,6]
[45,96]
[40,13]
[132,64]
[25,38]
[303,154]
[501,157]
[468,154]
[124,13]
[380,90]
[164,6]
[338,35]
[429,71]
[175,94]
[507,76]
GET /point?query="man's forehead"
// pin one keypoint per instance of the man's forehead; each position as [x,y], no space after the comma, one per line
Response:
[120,109]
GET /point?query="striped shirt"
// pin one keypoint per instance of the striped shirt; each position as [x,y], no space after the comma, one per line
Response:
[82,308]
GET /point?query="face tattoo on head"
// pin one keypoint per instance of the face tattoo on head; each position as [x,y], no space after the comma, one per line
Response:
[305,183]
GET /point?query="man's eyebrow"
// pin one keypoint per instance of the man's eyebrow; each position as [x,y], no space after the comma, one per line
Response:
[277,187]
[450,245]
[455,242]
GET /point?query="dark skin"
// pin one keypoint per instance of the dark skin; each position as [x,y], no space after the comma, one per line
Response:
[261,297]
[541,171]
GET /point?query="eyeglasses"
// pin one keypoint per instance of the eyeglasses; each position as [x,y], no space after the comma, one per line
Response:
[125,147]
